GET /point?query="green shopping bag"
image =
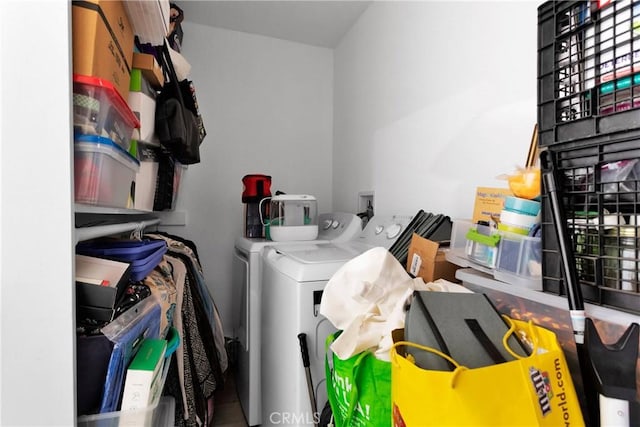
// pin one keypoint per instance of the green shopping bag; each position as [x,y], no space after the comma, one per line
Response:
[359,388]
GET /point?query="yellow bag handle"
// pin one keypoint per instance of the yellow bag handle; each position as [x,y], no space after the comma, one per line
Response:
[531,336]
[530,333]
[458,367]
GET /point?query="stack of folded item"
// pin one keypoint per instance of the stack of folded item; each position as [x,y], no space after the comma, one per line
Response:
[104,269]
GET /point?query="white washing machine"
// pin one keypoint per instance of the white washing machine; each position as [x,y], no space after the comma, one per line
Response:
[293,280]
[247,296]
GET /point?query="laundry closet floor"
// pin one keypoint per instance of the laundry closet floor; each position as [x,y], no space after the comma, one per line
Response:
[227,410]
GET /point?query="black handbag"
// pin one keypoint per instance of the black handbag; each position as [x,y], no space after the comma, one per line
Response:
[176,121]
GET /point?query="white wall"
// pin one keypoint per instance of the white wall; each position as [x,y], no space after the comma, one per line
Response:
[37,334]
[421,102]
[267,106]
[433,99]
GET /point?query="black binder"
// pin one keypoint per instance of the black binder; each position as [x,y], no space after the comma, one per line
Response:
[465,326]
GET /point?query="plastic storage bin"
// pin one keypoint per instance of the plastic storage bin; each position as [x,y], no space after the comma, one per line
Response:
[168,182]
[519,261]
[144,107]
[104,173]
[147,177]
[482,245]
[510,258]
[160,415]
[178,175]
[601,188]
[98,109]
[588,69]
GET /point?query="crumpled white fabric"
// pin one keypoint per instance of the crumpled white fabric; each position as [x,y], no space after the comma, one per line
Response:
[367,298]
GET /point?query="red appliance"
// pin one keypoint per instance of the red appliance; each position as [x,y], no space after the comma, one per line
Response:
[256,188]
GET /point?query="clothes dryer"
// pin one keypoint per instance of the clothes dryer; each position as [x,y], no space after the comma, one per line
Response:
[247,297]
[293,281]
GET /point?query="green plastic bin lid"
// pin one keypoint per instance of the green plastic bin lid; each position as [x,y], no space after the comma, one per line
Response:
[491,240]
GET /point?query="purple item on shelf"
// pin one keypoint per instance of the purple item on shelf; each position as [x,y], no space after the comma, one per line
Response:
[144,255]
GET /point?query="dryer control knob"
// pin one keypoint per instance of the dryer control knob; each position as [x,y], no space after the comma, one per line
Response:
[326,224]
[379,229]
[393,231]
[335,224]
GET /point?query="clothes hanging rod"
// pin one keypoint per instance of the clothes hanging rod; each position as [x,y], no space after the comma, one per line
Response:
[87,233]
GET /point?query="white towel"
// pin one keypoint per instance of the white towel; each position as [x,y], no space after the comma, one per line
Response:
[367,298]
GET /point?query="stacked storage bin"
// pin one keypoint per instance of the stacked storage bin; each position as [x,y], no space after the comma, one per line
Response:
[104,171]
[589,116]
[103,122]
[510,256]
[146,79]
[158,180]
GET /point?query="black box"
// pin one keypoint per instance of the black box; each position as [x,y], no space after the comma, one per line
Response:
[100,282]
[600,187]
[588,69]
[465,326]
[99,314]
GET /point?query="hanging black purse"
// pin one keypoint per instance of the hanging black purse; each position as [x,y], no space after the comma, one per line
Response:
[176,122]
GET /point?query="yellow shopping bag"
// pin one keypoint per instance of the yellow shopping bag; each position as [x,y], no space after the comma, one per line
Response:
[536,390]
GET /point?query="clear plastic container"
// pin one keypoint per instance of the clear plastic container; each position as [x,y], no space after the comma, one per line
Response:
[159,415]
[178,174]
[482,244]
[104,173]
[98,109]
[519,260]
[457,253]
[147,177]
[515,259]
[292,217]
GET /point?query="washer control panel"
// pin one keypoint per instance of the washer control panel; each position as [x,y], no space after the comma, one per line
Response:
[338,226]
[383,230]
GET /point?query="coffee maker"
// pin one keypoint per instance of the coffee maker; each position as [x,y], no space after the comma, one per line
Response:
[256,188]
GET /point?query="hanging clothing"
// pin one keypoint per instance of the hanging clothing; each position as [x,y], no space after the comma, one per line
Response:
[162,285]
[201,359]
[188,248]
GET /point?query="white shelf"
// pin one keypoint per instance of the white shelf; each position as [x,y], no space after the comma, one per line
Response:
[477,281]
[131,220]
[87,233]
[82,208]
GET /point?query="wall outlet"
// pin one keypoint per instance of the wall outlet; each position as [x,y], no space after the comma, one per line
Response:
[365,200]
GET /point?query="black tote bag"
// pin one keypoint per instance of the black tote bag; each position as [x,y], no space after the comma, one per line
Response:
[176,121]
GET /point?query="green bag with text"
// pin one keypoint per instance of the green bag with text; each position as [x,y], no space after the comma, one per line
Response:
[358,388]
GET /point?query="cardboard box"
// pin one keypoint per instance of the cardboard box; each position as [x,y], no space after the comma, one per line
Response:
[100,282]
[489,201]
[427,260]
[150,68]
[103,42]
